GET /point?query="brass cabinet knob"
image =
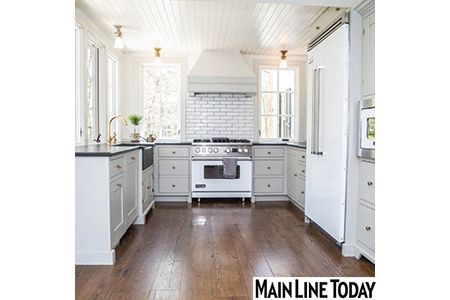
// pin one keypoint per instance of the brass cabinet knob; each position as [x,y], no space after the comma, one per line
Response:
[153,189]
[119,166]
[133,158]
[368,228]
[173,152]
[268,152]
[268,185]
[369,183]
[119,185]
[268,168]
[173,185]
[303,156]
[295,175]
[303,171]
[303,192]
[148,188]
[173,168]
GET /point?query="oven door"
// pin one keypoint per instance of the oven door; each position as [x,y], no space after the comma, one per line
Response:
[207,176]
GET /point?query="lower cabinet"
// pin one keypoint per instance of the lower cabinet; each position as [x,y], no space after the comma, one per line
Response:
[116,210]
[269,170]
[106,203]
[147,188]
[366,211]
[296,176]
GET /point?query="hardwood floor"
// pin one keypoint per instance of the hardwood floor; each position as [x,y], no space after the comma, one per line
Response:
[212,251]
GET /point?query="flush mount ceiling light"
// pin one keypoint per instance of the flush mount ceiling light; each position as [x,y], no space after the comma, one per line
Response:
[157,56]
[283,62]
[118,41]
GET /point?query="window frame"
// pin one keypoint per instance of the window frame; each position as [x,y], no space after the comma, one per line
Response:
[179,65]
[296,104]
[109,112]
[79,86]
[96,124]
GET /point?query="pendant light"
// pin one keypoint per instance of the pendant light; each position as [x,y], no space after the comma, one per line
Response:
[283,62]
[157,56]
[118,41]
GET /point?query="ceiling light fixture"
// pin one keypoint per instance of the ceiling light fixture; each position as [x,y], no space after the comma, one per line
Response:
[283,62]
[157,56]
[118,41]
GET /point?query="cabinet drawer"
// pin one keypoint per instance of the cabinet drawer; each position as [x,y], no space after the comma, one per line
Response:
[301,168]
[268,152]
[172,185]
[367,182]
[173,166]
[268,167]
[131,157]
[366,226]
[173,151]
[116,166]
[268,185]
[302,156]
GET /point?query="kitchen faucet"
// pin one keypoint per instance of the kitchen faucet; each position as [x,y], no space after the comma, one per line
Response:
[112,139]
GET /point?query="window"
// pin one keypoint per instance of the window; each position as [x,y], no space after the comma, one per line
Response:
[78,98]
[113,107]
[161,97]
[92,91]
[277,103]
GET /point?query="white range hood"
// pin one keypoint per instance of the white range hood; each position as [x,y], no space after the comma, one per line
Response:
[221,72]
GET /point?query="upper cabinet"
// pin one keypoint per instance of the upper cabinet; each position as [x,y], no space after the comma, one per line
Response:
[368,53]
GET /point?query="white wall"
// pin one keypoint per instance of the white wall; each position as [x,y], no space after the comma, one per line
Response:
[131,100]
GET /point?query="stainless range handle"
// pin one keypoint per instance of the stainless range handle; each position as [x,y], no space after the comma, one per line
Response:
[220,158]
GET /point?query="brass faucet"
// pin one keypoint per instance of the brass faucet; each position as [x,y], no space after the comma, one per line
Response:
[112,139]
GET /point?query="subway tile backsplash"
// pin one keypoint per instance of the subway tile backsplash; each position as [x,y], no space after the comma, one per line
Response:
[229,115]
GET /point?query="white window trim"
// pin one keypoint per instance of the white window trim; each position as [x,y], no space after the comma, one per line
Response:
[81,84]
[140,101]
[295,114]
[111,55]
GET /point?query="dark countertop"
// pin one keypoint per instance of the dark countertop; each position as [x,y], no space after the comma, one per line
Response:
[102,150]
[292,144]
[128,143]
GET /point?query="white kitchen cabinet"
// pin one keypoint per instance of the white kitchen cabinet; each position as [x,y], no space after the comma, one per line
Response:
[269,170]
[116,198]
[131,187]
[106,191]
[368,56]
[296,176]
[147,188]
[366,211]
[172,173]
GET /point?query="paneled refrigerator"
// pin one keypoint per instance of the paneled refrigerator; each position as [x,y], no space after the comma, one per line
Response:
[327,128]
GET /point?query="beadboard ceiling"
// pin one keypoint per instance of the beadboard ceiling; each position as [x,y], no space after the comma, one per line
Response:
[250,26]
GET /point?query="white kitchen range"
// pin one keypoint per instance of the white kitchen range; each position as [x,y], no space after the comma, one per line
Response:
[221,140]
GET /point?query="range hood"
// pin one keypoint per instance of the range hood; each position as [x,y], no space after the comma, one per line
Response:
[221,72]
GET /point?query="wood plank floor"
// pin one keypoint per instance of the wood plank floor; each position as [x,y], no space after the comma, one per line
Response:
[212,251]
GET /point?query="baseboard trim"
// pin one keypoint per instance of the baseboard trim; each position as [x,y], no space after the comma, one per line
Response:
[95,257]
[297,205]
[349,250]
[366,253]
[171,198]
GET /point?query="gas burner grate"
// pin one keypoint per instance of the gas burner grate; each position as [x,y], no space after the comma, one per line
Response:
[202,140]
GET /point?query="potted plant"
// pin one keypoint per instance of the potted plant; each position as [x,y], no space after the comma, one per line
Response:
[135,120]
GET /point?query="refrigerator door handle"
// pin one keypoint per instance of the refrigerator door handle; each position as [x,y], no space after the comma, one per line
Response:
[317,150]
[313,123]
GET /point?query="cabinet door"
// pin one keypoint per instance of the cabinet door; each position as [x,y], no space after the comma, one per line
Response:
[300,190]
[144,188]
[117,218]
[368,68]
[131,187]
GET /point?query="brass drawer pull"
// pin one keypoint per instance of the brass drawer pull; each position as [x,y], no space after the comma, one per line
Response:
[173,185]
[303,171]
[119,167]
[368,228]
[369,183]
[303,192]
[173,152]
[268,168]
[303,156]
[295,175]
[268,152]
[173,168]
[119,185]
[133,158]
[268,185]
